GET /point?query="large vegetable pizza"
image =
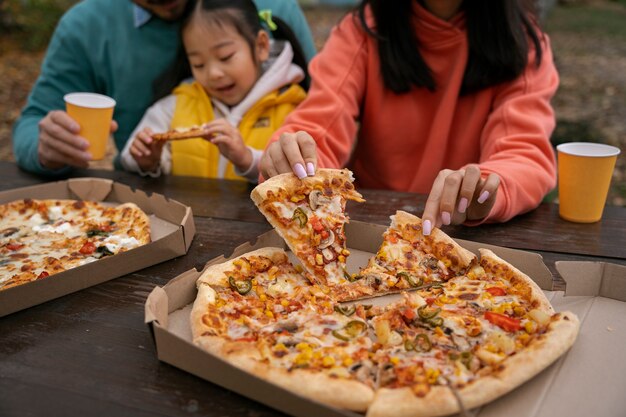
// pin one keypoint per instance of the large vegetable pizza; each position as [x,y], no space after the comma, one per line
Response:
[39,238]
[465,330]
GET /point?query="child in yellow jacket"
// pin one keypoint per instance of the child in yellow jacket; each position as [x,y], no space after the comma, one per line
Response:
[244,86]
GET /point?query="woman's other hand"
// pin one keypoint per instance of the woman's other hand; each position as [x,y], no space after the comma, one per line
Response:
[457,196]
[293,152]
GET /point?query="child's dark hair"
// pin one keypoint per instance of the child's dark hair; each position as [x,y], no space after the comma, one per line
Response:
[244,17]
[497,33]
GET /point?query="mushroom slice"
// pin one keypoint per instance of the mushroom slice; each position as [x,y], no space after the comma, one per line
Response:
[316,199]
[328,241]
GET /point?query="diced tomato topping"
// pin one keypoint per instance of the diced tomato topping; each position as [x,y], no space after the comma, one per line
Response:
[507,323]
[88,248]
[392,239]
[14,246]
[495,291]
[317,225]
[43,274]
[408,313]
[430,301]
[246,339]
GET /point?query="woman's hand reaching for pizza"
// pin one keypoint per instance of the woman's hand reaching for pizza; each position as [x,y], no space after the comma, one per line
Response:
[457,196]
[293,152]
[147,151]
[230,143]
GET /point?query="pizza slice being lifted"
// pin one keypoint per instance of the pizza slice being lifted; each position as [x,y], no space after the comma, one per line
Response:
[309,214]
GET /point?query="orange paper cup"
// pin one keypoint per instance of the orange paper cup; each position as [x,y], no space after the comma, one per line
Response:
[93,112]
[585,171]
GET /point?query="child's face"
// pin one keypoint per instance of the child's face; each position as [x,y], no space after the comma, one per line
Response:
[221,59]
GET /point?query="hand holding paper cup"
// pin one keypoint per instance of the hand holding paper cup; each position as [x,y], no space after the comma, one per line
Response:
[93,112]
[585,171]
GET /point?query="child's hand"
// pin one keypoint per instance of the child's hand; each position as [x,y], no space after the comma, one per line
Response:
[228,139]
[147,151]
[460,195]
[292,152]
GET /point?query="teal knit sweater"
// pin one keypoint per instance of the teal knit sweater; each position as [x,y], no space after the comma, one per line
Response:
[97,48]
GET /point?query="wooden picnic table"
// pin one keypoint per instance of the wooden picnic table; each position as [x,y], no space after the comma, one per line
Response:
[89,353]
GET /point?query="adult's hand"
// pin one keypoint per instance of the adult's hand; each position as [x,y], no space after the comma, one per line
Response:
[457,196]
[293,152]
[59,142]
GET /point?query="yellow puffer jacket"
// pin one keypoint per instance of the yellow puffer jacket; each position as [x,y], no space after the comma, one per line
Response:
[198,157]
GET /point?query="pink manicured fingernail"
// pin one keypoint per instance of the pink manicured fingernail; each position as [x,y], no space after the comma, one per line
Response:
[75,127]
[483,197]
[299,170]
[89,156]
[426,227]
[310,168]
[445,217]
[463,205]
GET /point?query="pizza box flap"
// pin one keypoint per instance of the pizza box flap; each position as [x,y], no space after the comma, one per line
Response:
[594,278]
[171,228]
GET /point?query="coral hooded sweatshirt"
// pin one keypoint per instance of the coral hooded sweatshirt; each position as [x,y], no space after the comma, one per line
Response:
[404,140]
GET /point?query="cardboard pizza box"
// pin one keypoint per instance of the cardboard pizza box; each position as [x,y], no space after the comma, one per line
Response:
[171,229]
[587,380]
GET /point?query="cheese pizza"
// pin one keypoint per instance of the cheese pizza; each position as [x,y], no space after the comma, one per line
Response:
[39,238]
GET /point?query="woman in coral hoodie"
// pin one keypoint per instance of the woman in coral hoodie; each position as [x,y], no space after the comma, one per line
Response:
[446,97]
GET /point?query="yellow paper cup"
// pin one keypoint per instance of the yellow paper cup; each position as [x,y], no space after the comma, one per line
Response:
[585,171]
[93,112]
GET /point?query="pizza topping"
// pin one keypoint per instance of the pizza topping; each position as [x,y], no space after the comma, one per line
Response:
[351,330]
[241,286]
[346,310]
[507,323]
[411,279]
[88,248]
[496,291]
[43,274]
[300,217]
[421,343]
[9,231]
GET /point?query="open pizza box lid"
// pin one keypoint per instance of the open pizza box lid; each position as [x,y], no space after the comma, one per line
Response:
[587,380]
[171,230]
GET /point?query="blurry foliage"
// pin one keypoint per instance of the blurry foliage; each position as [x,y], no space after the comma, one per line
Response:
[30,23]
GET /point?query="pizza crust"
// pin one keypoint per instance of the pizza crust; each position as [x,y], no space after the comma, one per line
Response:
[316,385]
[514,371]
[490,261]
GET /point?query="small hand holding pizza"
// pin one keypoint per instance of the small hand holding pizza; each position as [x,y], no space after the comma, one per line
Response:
[147,151]
[457,196]
[228,139]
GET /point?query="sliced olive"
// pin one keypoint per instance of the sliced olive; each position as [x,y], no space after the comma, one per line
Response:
[427,313]
[345,310]
[242,287]
[300,216]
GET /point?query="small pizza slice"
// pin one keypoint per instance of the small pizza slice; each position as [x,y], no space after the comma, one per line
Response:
[181,133]
[408,260]
[466,342]
[309,214]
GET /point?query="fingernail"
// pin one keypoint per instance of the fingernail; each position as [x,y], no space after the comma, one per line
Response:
[85,144]
[310,168]
[426,227]
[89,156]
[483,197]
[445,217]
[75,127]
[299,170]
[463,205]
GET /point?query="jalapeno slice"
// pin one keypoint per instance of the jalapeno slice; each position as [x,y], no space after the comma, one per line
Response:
[409,345]
[351,330]
[426,313]
[435,321]
[242,287]
[345,310]
[411,279]
[422,343]
[466,358]
[300,216]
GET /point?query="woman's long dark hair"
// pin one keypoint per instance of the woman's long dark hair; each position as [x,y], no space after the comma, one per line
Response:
[244,17]
[497,32]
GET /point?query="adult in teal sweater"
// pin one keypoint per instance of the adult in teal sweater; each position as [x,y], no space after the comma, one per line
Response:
[112,47]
